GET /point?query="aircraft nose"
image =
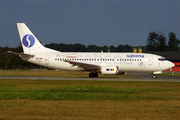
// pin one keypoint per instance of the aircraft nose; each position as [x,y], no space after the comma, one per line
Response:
[170,64]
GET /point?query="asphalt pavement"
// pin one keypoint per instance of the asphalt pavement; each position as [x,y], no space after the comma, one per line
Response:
[138,77]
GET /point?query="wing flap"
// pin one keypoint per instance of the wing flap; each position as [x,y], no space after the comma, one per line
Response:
[84,65]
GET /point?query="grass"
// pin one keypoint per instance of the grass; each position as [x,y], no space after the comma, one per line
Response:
[90,93]
[79,100]
[45,99]
[174,74]
[89,110]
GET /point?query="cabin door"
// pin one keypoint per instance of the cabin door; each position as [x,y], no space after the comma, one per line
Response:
[150,60]
[46,60]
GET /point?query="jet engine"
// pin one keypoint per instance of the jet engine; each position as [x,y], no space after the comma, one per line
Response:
[111,70]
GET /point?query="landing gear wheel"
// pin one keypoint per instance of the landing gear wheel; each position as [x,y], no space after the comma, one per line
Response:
[90,74]
[93,74]
[154,76]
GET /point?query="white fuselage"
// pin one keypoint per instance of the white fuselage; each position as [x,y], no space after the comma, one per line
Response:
[105,63]
[127,62]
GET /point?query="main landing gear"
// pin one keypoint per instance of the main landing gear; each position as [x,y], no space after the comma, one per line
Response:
[93,74]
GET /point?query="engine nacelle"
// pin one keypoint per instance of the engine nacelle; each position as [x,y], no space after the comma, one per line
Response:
[110,70]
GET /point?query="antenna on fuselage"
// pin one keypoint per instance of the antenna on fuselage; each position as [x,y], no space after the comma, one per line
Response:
[108,49]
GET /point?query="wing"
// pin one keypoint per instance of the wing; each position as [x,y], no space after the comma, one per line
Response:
[86,66]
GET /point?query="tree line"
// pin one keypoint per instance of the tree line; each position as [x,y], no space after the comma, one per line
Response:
[90,48]
[10,61]
[158,42]
[155,42]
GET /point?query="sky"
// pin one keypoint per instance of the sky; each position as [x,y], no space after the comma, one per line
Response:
[89,22]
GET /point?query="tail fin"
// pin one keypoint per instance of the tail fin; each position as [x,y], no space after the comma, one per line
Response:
[29,42]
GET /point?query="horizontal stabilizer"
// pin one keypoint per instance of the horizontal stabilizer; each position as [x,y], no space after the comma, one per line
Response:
[20,53]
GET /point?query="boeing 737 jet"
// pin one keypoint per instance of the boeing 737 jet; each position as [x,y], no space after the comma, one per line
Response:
[92,62]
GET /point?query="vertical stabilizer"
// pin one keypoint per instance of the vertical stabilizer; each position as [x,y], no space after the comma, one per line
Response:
[29,42]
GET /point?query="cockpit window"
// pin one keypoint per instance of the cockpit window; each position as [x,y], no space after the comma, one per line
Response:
[161,59]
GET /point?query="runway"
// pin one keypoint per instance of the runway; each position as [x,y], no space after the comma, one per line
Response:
[138,77]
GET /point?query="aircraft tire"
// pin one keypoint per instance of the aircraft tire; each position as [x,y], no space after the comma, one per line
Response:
[93,74]
[154,76]
[90,75]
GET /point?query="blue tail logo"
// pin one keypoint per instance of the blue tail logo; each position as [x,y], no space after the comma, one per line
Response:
[28,40]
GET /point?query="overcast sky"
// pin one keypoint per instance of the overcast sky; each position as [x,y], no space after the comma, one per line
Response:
[89,22]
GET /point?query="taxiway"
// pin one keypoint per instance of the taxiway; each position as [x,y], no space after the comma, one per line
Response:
[138,77]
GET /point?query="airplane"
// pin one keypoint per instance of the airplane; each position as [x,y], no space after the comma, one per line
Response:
[110,63]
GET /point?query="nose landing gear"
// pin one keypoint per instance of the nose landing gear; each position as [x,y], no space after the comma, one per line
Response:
[154,76]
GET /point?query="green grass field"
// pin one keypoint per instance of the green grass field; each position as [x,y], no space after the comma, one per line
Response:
[79,100]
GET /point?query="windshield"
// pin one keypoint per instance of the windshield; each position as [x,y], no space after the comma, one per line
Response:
[161,59]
